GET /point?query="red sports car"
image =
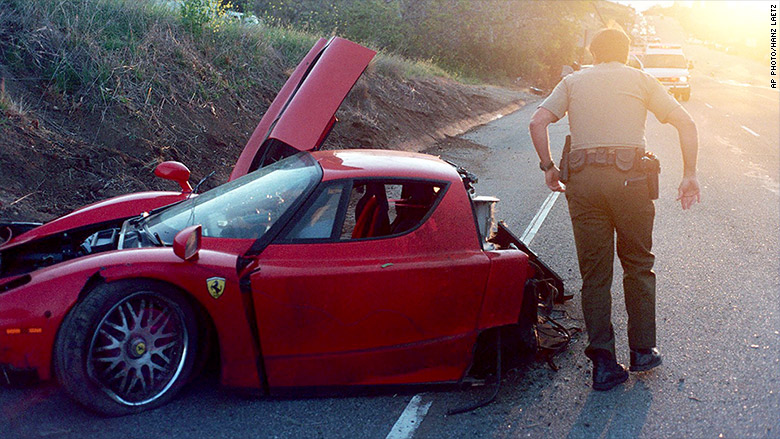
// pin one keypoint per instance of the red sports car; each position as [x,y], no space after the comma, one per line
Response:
[308,268]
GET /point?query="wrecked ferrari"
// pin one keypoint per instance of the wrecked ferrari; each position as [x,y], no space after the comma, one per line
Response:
[308,268]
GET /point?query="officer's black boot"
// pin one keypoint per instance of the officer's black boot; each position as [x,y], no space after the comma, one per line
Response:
[644,359]
[607,373]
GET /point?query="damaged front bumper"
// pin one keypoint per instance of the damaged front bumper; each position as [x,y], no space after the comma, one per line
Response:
[504,237]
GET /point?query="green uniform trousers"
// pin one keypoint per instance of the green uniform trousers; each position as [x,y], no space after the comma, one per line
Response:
[605,202]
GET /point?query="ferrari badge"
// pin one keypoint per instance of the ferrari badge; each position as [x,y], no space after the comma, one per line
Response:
[216,286]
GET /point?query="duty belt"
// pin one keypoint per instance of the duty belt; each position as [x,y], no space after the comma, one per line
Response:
[623,158]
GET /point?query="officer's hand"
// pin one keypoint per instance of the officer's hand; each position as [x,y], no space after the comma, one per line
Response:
[688,192]
[551,177]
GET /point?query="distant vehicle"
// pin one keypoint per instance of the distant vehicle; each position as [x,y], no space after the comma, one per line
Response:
[668,63]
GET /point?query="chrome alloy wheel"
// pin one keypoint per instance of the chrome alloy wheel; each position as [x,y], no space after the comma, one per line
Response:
[139,348]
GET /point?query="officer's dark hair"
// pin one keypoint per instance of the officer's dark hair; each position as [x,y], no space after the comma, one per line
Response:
[610,45]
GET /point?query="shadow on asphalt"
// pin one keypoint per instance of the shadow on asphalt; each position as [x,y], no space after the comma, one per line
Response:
[620,412]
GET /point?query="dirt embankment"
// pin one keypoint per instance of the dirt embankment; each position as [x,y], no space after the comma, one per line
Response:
[56,157]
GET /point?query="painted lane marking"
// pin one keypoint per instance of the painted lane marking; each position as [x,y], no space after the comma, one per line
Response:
[755,171]
[741,84]
[410,419]
[539,218]
[750,131]
[708,105]
[748,88]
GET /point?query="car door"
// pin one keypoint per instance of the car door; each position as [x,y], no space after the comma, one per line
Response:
[303,113]
[394,303]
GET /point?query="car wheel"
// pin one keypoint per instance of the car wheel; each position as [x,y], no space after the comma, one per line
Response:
[127,347]
[686,96]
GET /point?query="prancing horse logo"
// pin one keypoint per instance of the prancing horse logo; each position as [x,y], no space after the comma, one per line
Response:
[216,286]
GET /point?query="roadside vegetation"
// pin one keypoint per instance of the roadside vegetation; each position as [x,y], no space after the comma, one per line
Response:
[95,93]
[491,40]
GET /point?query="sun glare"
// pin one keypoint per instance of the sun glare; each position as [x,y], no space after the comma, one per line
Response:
[739,23]
[733,20]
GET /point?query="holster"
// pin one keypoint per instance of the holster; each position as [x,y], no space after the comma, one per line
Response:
[651,166]
[564,175]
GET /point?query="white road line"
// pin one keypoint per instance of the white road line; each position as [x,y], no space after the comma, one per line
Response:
[539,218]
[708,105]
[410,419]
[750,131]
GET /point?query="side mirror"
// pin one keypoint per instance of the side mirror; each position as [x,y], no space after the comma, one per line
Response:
[186,244]
[175,171]
[690,65]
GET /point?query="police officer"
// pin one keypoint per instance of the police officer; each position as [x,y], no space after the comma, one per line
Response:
[608,192]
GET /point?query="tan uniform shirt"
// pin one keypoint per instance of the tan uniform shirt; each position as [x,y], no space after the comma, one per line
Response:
[607,105]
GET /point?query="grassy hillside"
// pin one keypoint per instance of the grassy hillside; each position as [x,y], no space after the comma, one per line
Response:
[487,39]
[95,93]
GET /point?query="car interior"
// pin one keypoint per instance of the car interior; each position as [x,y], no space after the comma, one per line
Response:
[374,209]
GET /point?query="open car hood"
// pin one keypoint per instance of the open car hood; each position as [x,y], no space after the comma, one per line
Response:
[302,114]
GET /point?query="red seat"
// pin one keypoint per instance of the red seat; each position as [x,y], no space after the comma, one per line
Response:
[372,214]
[364,221]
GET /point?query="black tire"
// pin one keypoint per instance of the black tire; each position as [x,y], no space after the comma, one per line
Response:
[686,96]
[128,346]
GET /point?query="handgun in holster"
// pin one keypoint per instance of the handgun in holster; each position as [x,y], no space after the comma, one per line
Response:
[651,166]
[564,167]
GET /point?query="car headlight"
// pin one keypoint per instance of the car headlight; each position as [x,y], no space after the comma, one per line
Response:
[683,79]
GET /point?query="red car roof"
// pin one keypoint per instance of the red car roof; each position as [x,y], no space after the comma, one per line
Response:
[368,163]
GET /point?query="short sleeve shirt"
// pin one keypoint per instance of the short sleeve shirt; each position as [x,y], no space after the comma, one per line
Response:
[607,105]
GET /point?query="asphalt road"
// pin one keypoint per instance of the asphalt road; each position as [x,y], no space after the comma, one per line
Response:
[718,271]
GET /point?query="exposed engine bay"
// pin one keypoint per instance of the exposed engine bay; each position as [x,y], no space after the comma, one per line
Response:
[71,244]
[52,250]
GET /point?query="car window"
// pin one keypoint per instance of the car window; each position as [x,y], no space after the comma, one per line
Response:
[379,209]
[656,60]
[319,219]
[246,207]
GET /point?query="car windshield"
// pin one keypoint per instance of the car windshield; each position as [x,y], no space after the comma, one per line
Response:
[244,208]
[656,60]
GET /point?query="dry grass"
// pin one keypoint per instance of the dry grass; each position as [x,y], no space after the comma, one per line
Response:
[8,105]
[399,67]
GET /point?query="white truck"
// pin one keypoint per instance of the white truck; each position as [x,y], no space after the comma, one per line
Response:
[668,63]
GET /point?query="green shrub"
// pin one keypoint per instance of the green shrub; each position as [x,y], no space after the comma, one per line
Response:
[197,14]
